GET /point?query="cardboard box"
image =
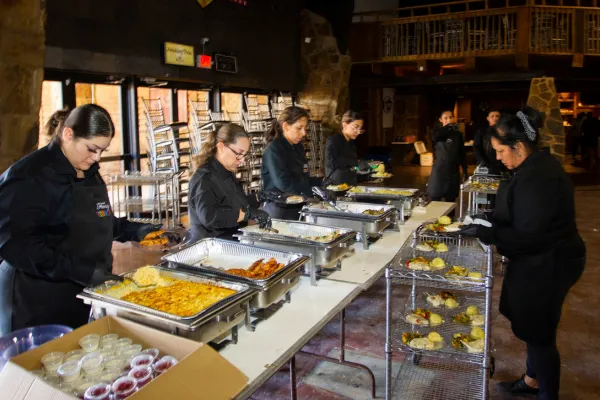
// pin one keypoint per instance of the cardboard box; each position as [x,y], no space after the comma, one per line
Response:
[200,373]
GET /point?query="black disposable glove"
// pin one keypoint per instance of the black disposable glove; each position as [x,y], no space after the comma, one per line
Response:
[364,167]
[145,230]
[469,231]
[101,275]
[262,218]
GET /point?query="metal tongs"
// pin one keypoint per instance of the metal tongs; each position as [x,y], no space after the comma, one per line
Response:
[322,194]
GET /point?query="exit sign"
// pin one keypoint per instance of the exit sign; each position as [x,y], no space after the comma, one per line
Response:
[204,61]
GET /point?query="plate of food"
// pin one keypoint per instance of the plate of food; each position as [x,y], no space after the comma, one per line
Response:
[444,224]
[382,175]
[424,264]
[472,342]
[418,341]
[344,187]
[373,211]
[471,316]
[441,299]
[259,269]
[424,317]
[295,199]
[431,246]
[165,240]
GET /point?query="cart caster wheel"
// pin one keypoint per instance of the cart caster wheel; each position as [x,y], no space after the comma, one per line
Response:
[416,359]
[492,367]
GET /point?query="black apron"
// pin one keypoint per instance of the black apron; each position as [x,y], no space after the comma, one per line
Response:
[535,285]
[32,301]
[444,181]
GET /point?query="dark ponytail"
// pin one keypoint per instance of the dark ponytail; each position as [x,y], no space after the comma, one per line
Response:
[87,122]
[522,127]
[290,115]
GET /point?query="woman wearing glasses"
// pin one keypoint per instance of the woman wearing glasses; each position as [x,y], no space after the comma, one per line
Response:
[217,204]
[341,159]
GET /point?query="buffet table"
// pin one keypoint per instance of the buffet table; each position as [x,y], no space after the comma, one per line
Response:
[276,340]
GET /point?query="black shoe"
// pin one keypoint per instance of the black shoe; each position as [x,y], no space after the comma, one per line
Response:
[517,388]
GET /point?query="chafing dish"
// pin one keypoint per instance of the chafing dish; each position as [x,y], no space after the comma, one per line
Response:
[211,257]
[403,203]
[211,324]
[325,256]
[352,218]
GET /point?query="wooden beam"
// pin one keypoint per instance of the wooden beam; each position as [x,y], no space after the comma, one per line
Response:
[522,61]
[523,36]
[578,60]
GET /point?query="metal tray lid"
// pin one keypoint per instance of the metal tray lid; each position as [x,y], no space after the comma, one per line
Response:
[297,231]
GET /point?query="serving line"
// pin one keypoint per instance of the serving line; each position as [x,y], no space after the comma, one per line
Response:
[261,353]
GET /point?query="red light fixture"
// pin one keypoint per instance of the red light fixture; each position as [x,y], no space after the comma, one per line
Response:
[204,61]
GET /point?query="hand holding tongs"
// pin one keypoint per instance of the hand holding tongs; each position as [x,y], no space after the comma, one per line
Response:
[326,195]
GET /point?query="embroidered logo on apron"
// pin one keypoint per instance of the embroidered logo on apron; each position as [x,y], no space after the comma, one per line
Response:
[103,209]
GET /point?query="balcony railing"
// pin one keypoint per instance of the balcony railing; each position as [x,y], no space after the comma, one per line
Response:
[488,32]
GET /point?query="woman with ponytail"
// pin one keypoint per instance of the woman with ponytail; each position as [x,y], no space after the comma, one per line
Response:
[285,168]
[218,205]
[57,227]
[534,226]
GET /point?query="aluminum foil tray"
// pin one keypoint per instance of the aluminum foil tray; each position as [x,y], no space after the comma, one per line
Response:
[369,192]
[350,210]
[297,231]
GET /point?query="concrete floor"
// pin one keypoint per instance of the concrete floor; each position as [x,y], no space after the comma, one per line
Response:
[578,339]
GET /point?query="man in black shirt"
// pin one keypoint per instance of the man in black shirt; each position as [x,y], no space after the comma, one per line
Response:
[482,147]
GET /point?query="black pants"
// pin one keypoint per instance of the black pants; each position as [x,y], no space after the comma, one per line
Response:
[543,365]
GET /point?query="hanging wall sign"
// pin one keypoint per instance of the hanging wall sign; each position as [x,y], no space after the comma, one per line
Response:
[388,107]
[179,54]
[204,3]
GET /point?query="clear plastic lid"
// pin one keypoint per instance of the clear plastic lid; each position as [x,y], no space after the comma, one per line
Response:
[124,386]
[53,360]
[115,362]
[100,391]
[69,371]
[90,343]
[92,363]
[74,355]
[142,359]
[111,337]
[153,352]
[143,374]
[164,364]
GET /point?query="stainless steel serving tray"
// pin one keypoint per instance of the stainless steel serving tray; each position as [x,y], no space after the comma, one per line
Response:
[368,192]
[213,256]
[94,295]
[295,232]
[350,210]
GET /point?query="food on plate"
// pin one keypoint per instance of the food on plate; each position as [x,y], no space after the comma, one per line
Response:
[294,199]
[424,318]
[441,248]
[323,238]
[462,318]
[435,319]
[438,263]
[258,269]
[415,319]
[443,298]
[424,247]
[474,346]
[435,337]
[477,320]
[181,298]
[472,310]
[408,336]
[146,276]
[338,188]
[380,168]
[381,175]
[418,341]
[457,271]
[485,185]
[451,303]
[373,211]
[454,227]
[444,220]
[422,344]
[419,264]
[475,275]
[154,239]
[357,189]
[395,192]
[477,333]
[463,340]
[435,227]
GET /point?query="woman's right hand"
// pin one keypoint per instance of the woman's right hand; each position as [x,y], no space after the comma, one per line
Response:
[242,216]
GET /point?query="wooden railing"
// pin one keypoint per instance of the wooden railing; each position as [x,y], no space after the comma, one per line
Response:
[528,29]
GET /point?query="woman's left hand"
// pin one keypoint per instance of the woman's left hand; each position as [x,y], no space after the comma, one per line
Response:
[468,231]
[144,230]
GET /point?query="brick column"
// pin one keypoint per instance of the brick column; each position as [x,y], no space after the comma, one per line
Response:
[543,97]
[22,39]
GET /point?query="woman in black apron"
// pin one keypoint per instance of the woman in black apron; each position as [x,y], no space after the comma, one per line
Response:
[57,227]
[341,159]
[218,205]
[284,167]
[449,156]
[534,226]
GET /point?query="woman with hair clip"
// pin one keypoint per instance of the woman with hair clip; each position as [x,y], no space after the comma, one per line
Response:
[218,205]
[285,168]
[449,157]
[534,226]
[57,227]
[341,159]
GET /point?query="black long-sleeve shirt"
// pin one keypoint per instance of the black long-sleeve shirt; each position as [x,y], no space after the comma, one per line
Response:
[36,205]
[449,145]
[283,169]
[535,210]
[215,201]
[340,159]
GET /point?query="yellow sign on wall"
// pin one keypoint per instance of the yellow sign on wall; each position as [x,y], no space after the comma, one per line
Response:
[179,54]
[204,3]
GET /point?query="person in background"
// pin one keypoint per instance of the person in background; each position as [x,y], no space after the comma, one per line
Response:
[482,146]
[56,224]
[218,205]
[449,157]
[341,159]
[534,226]
[285,169]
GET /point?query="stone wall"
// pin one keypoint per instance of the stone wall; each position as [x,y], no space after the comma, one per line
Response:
[21,74]
[543,97]
[325,71]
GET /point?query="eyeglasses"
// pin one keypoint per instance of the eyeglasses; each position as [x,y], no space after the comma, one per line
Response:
[238,155]
[357,129]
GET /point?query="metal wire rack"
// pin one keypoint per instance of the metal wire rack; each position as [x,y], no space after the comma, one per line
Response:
[433,379]
[478,188]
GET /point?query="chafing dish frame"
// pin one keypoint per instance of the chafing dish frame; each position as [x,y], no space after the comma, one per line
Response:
[403,203]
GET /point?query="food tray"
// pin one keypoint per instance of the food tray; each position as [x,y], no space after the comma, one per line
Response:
[351,210]
[471,184]
[290,230]
[212,256]
[369,193]
[90,294]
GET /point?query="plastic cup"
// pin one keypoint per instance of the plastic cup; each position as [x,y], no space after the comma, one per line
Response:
[110,338]
[74,355]
[124,387]
[153,352]
[111,375]
[141,360]
[70,371]
[164,364]
[52,361]
[81,386]
[121,343]
[92,364]
[132,350]
[90,343]
[115,362]
[101,391]
[142,374]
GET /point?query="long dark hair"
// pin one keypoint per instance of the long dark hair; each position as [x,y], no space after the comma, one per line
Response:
[87,121]
[227,134]
[290,115]
[522,127]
